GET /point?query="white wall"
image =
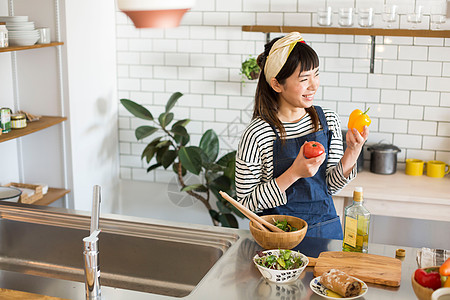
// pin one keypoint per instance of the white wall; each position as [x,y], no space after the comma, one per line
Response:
[408,94]
[91,65]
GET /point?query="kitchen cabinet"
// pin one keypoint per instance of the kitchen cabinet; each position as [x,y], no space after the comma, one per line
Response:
[38,88]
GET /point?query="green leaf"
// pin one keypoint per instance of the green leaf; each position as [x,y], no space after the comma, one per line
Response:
[160,153]
[196,187]
[179,130]
[228,220]
[209,143]
[173,100]
[150,150]
[165,119]
[163,144]
[168,158]
[136,109]
[182,140]
[230,170]
[222,208]
[214,214]
[223,161]
[222,183]
[152,167]
[145,131]
[183,123]
[190,159]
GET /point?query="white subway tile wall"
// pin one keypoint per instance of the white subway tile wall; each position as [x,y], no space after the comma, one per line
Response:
[408,93]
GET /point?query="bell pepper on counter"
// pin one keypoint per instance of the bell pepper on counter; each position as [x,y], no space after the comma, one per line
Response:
[444,271]
[429,278]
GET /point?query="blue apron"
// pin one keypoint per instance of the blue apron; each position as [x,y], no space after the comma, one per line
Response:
[307,198]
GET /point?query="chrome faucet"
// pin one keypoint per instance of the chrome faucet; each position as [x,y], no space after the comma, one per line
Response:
[90,253]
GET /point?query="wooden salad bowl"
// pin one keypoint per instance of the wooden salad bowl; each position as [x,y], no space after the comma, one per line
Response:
[279,240]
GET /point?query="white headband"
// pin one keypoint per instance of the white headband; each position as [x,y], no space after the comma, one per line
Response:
[279,54]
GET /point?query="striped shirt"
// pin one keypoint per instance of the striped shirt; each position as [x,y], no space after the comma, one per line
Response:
[255,186]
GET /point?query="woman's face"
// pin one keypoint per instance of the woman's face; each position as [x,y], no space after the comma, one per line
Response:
[298,90]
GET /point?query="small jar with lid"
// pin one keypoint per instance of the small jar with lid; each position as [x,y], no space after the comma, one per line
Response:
[18,121]
[3,35]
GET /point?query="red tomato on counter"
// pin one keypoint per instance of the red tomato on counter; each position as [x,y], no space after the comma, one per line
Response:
[429,278]
[313,149]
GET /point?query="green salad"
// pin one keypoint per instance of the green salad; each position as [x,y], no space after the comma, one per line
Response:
[284,225]
[285,260]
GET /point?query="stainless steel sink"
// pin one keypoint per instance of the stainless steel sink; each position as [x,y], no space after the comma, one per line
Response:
[148,258]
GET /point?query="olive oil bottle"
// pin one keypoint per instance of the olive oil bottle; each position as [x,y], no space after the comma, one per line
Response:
[356,224]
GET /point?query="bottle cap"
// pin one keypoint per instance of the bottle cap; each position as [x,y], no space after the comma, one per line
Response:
[359,189]
[400,252]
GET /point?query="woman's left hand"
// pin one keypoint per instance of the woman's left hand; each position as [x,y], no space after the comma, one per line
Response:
[355,141]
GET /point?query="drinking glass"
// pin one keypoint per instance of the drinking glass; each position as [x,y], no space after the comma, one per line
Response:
[415,17]
[346,17]
[324,16]
[390,14]
[365,17]
[437,16]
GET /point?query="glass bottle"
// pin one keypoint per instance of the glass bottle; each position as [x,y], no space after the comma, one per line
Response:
[356,224]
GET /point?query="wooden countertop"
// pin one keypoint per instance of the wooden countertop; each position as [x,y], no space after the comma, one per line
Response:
[401,187]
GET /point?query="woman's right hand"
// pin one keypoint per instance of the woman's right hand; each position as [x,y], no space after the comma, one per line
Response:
[306,167]
[302,167]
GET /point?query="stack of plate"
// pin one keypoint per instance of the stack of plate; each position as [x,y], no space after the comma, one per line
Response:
[20,31]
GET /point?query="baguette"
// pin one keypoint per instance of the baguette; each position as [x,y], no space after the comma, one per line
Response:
[341,283]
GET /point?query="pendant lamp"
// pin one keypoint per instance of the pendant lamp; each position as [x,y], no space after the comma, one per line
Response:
[155,13]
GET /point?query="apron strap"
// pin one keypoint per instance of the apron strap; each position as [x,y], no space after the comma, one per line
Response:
[322,118]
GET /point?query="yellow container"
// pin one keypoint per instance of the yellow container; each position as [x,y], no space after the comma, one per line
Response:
[18,121]
[414,167]
[437,169]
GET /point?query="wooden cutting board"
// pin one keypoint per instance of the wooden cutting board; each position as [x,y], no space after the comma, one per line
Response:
[12,294]
[369,268]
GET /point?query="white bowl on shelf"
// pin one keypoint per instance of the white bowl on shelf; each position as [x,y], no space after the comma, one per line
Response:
[20,26]
[23,41]
[13,18]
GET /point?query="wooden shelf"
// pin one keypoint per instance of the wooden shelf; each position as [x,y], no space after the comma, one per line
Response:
[18,48]
[350,31]
[51,196]
[44,122]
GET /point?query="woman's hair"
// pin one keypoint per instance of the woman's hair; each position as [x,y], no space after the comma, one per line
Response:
[266,99]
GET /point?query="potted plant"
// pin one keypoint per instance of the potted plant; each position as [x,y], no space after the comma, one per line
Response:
[171,150]
[250,68]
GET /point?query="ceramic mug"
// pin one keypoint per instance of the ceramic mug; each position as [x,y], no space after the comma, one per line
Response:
[441,294]
[414,167]
[437,169]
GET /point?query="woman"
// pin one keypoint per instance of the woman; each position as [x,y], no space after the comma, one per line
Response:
[272,175]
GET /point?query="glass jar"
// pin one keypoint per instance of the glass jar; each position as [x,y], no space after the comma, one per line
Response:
[18,121]
[3,35]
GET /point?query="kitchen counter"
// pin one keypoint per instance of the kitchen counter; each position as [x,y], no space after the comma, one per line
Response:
[400,195]
[234,276]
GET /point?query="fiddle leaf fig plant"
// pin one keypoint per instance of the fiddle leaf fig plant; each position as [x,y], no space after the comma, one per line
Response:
[250,68]
[169,149]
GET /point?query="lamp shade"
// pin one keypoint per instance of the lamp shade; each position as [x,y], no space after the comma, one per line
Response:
[155,13]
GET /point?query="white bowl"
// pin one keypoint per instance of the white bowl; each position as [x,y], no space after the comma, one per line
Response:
[13,18]
[281,276]
[9,194]
[23,41]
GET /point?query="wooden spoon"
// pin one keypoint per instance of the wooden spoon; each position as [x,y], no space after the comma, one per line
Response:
[251,215]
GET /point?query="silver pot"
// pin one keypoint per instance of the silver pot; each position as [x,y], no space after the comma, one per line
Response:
[383,158]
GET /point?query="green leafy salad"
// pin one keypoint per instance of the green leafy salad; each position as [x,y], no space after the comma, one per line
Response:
[284,225]
[285,260]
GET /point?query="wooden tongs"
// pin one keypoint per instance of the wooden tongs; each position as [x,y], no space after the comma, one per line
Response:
[257,220]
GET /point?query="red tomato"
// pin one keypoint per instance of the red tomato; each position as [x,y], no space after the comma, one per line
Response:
[313,149]
[428,278]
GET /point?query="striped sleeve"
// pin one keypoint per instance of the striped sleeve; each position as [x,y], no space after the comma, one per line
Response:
[336,180]
[255,186]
